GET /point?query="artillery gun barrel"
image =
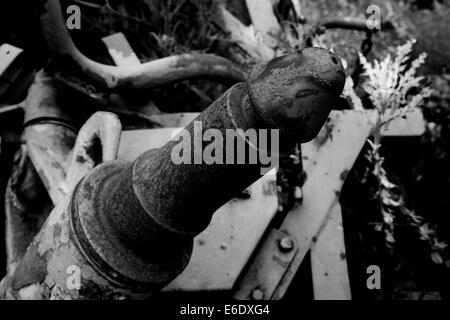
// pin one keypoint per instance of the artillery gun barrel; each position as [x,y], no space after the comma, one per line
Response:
[129,227]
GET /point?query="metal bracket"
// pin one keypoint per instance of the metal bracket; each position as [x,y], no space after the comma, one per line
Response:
[262,278]
[327,161]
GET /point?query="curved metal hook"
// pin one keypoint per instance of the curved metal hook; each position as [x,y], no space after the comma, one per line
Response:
[102,127]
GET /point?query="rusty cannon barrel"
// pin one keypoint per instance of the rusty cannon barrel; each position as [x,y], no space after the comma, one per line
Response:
[129,227]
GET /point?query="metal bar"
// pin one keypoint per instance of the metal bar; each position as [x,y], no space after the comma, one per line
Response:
[326,172]
[276,260]
[329,260]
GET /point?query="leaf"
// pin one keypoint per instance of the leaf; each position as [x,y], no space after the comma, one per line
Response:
[386,183]
[437,258]
[440,244]
[390,238]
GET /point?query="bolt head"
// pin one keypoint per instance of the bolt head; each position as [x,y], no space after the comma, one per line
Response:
[286,244]
[257,294]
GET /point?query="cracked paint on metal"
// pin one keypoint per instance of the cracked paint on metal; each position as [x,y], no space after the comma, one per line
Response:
[42,273]
[299,90]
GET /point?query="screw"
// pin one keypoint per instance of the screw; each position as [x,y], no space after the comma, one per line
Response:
[286,244]
[257,294]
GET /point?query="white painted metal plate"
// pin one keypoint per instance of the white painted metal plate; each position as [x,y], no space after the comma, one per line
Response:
[8,54]
[413,124]
[120,50]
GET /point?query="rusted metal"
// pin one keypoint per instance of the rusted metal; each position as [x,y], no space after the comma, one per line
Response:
[148,75]
[276,261]
[97,142]
[27,205]
[221,251]
[307,84]
[27,202]
[327,160]
[59,157]
[310,221]
[49,145]
[129,226]
[327,164]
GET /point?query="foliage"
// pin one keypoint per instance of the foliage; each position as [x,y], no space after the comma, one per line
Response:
[394,90]
[390,83]
[160,28]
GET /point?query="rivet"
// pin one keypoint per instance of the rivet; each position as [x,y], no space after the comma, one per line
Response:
[257,294]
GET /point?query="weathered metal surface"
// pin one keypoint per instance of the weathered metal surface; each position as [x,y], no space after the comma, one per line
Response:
[329,260]
[327,159]
[221,251]
[148,75]
[280,249]
[48,136]
[27,205]
[333,156]
[327,172]
[133,223]
[51,260]
[44,103]
[60,160]
[413,124]
[207,274]
[49,147]
[97,142]
[319,78]
[46,141]
[284,109]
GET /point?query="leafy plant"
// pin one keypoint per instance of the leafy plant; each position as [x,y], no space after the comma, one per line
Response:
[394,90]
[390,83]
